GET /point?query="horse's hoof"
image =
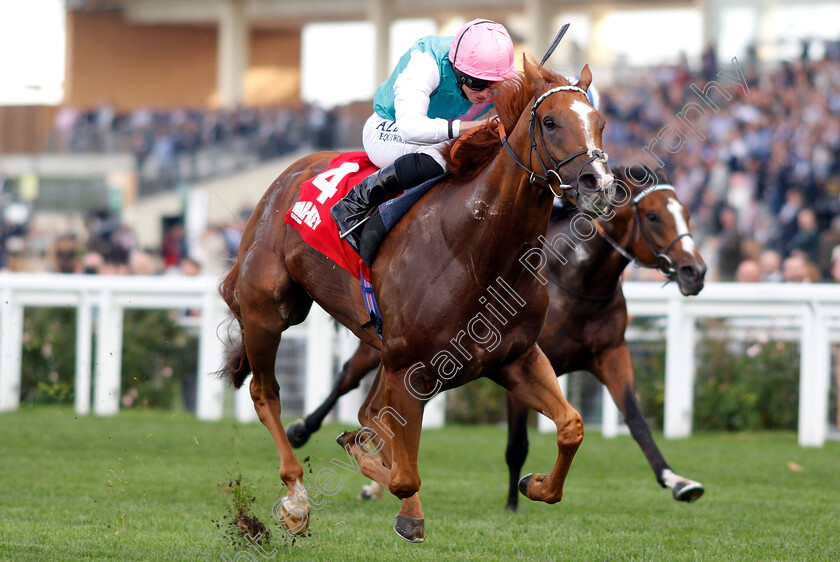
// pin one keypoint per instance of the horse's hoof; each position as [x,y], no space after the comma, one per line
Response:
[688,491]
[371,491]
[523,484]
[295,522]
[342,438]
[412,530]
[297,434]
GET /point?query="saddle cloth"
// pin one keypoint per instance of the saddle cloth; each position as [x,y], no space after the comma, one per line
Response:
[310,214]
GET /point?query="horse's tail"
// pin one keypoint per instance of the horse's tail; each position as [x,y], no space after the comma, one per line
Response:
[236,367]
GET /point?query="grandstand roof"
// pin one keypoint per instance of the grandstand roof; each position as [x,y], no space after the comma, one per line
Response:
[295,13]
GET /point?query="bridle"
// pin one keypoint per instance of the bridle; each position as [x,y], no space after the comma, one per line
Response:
[553,167]
[662,262]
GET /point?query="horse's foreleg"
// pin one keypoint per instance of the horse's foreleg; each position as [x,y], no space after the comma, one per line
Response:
[517,446]
[354,370]
[614,368]
[532,380]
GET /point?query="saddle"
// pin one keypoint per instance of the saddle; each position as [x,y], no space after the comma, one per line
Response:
[310,214]
[386,216]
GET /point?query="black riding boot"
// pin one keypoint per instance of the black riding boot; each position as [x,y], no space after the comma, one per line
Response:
[406,171]
[359,201]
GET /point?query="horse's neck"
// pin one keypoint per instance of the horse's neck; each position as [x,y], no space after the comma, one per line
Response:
[517,210]
[595,263]
[505,216]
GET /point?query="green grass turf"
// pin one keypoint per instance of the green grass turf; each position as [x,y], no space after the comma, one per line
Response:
[145,485]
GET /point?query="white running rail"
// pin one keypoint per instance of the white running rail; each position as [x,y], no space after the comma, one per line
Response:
[813,310]
[102,299]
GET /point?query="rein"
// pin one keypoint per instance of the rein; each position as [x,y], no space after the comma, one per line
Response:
[662,262]
[553,167]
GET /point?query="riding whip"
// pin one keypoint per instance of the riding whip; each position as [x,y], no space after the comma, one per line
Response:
[554,43]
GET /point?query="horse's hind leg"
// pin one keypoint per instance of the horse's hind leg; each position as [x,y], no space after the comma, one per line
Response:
[532,381]
[517,446]
[264,318]
[364,360]
[614,368]
[382,428]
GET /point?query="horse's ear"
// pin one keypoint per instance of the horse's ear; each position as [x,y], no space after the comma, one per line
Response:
[585,78]
[533,72]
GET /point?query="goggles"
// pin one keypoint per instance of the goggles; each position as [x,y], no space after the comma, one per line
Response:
[474,84]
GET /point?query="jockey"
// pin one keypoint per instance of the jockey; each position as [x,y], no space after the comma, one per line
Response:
[437,91]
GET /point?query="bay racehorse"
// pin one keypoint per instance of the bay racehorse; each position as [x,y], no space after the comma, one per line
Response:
[587,315]
[435,275]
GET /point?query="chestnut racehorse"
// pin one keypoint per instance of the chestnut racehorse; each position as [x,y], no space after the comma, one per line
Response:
[587,315]
[435,275]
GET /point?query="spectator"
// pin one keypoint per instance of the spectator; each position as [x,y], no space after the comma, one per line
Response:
[729,244]
[828,241]
[748,272]
[806,239]
[835,265]
[93,263]
[174,247]
[797,269]
[67,251]
[190,266]
[788,217]
[142,263]
[770,266]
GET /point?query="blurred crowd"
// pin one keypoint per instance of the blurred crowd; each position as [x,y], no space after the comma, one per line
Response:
[191,144]
[106,246]
[763,186]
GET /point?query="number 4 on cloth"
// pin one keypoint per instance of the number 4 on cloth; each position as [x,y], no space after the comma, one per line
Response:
[328,180]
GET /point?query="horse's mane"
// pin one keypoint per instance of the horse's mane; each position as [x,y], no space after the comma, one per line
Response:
[511,98]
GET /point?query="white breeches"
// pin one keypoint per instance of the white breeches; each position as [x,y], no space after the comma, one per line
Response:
[384,144]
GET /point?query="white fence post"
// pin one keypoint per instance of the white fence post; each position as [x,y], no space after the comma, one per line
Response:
[611,422]
[545,425]
[243,405]
[434,415]
[349,404]
[679,370]
[84,340]
[210,388]
[814,374]
[11,353]
[319,358]
[108,356]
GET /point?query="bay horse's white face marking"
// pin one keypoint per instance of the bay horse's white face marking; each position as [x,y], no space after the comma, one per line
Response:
[676,209]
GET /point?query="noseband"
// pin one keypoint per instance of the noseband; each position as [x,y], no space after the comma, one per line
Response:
[553,167]
[662,262]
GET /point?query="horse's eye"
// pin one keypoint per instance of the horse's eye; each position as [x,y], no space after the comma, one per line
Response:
[548,123]
[652,217]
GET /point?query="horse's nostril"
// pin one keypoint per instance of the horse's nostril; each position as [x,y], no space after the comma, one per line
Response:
[697,272]
[588,182]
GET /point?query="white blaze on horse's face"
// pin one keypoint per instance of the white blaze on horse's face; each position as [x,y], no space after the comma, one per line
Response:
[585,111]
[676,209]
